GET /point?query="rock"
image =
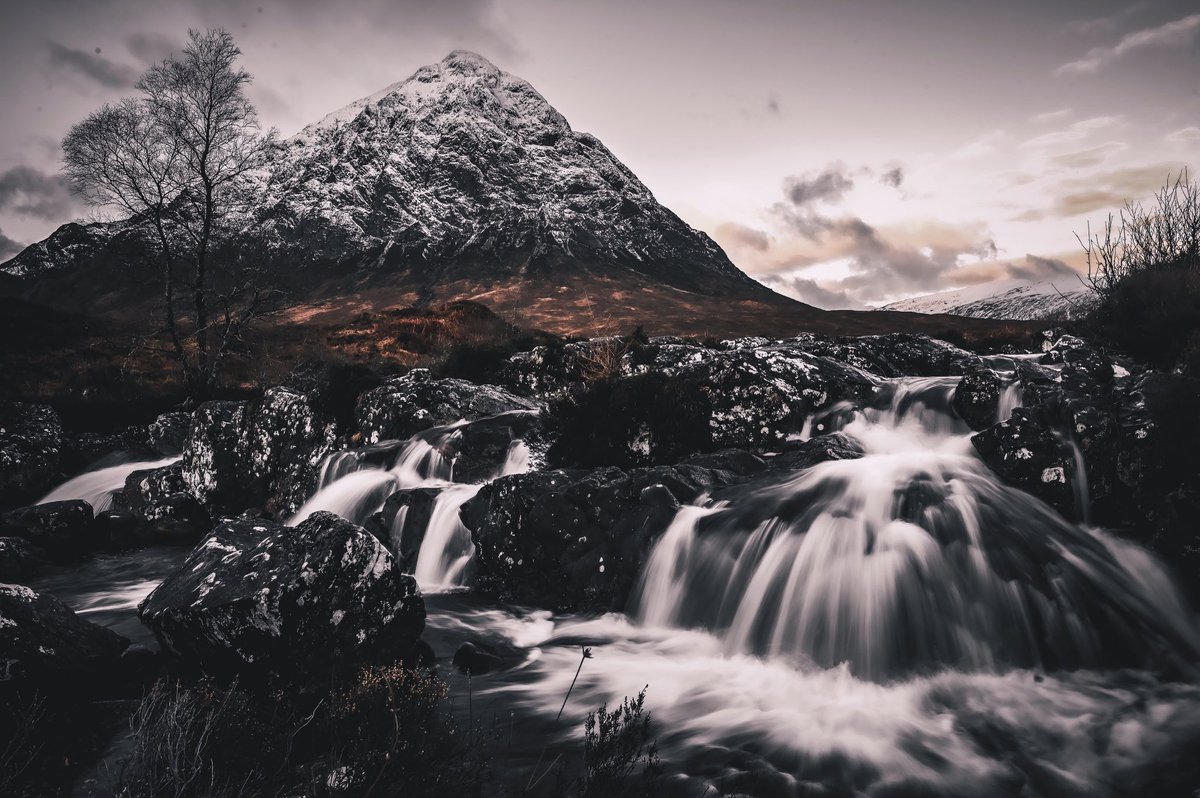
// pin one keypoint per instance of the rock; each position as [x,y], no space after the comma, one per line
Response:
[977,397]
[19,559]
[820,449]
[1029,454]
[251,454]
[893,355]
[43,642]
[477,658]
[168,433]
[404,406]
[264,599]
[414,506]
[480,449]
[31,443]
[735,461]
[576,540]
[169,513]
[63,529]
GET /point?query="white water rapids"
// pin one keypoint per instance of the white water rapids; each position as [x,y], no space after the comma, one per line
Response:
[898,624]
[98,487]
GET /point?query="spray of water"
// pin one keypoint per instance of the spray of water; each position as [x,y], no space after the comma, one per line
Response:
[98,487]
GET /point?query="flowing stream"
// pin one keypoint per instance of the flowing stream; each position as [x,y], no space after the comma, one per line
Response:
[898,624]
[97,487]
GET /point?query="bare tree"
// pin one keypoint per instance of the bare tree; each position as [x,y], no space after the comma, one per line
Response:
[178,158]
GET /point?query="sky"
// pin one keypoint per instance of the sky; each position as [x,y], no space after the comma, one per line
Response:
[845,152]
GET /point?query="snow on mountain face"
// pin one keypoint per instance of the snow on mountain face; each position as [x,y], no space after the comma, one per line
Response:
[1020,300]
[460,172]
[465,162]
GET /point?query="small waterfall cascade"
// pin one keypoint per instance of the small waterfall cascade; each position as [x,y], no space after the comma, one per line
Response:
[98,487]
[913,558]
[356,484]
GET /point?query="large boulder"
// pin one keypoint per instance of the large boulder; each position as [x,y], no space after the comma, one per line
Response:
[62,529]
[166,510]
[259,598]
[31,443]
[892,355]
[416,401]
[575,540]
[19,559]
[250,454]
[1029,454]
[43,642]
[977,397]
[401,524]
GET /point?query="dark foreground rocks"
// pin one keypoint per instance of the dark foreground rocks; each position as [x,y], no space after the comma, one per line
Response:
[261,598]
[575,540]
[31,443]
[63,530]
[42,642]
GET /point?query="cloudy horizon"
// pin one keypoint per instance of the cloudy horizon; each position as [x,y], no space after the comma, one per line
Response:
[844,155]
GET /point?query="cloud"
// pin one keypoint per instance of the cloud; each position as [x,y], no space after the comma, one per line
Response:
[893,177]
[93,66]
[1039,268]
[984,145]
[1092,156]
[811,292]
[773,106]
[31,192]
[1107,24]
[739,236]
[1179,33]
[1033,267]
[150,48]
[829,185]
[1052,116]
[1076,132]
[1101,191]
[1185,135]
[8,247]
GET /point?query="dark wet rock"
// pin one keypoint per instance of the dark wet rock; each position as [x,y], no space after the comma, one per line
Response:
[893,355]
[31,443]
[477,658]
[160,499]
[250,454]
[403,538]
[977,397]
[479,449]
[260,598]
[19,559]
[42,641]
[1029,454]
[416,401]
[576,539]
[168,433]
[119,528]
[333,387]
[735,461]
[1086,371]
[820,449]
[63,529]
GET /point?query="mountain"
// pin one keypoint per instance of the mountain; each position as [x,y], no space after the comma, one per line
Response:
[1023,300]
[459,183]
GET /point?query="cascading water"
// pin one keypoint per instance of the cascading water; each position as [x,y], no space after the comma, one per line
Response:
[912,558]
[98,487]
[355,485]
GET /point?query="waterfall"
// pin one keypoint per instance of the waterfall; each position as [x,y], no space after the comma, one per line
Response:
[1010,400]
[355,485]
[98,487]
[913,558]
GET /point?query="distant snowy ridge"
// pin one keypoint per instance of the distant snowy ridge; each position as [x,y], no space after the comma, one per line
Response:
[1020,300]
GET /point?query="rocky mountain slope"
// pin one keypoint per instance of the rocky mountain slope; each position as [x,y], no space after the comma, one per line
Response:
[1023,300]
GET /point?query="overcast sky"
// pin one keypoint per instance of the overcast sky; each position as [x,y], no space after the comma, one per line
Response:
[844,151]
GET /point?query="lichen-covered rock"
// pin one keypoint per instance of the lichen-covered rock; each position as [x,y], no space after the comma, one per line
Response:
[821,449]
[62,529]
[977,397]
[31,443]
[401,524]
[248,454]
[416,401]
[893,355]
[573,539]
[19,559]
[260,598]
[168,433]
[42,641]
[1029,454]
[167,511]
